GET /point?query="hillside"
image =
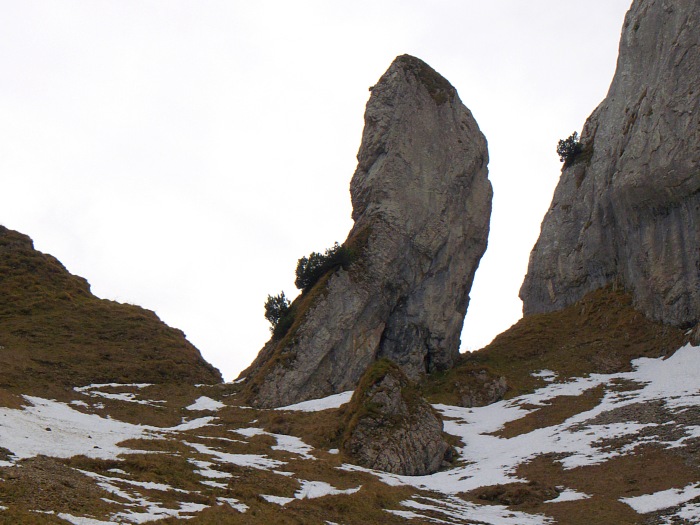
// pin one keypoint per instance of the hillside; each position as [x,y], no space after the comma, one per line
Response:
[54,334]
[579,440]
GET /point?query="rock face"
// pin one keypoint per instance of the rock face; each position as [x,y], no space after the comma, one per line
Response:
[627,209]
[392,428]
[421,204]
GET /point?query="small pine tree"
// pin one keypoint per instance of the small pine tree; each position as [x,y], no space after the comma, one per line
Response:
[569,148]
[310,269]
[276,310]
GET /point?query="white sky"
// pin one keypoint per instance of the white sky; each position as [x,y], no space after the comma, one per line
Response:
[183,155]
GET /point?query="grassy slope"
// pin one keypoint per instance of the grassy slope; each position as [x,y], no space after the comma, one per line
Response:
[54,333]
[602,333]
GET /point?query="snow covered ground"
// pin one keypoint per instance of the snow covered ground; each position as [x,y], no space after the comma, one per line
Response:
[325,403]
[60,430]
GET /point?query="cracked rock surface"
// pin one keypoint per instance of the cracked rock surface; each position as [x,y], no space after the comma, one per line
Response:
[421,205]
[393,429]
[627,209]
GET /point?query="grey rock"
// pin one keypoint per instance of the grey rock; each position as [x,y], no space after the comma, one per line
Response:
[421,205]
[627,210]
[392,428]
[481,389]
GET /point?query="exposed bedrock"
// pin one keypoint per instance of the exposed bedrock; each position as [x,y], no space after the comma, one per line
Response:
[421,205]
[627,209]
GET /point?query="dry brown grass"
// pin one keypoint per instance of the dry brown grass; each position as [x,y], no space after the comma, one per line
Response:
[46,484]
[602,333]
[555,412]
[54,334]
[649,470]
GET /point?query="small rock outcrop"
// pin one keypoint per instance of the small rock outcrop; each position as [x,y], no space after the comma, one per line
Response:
[626,210]
[480,388]
[421,205]
[391,427]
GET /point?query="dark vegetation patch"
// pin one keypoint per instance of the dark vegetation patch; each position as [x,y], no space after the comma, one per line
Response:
[602,333]
[310,269]
[54,334]
[514,494]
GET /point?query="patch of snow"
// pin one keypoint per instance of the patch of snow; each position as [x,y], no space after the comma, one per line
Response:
[569,495]
[206,471]
[324,403]
[457,509]
[55,429]
[80,403]
[192,424]
[284,442]
[689,512]
[310,490]
[233,503]
[663,499]
[206,403]
[2,508]
[150,485]
[410,515]
[334,451]
[256,461]
[318,489]
[280,500]
[98,386]
[153,511]
[547,375]
[25,432]
[77,520]
[219,438]
[129,397]
[215,484]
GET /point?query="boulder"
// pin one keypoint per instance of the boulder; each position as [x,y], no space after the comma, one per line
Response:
[391,427]
[626,210]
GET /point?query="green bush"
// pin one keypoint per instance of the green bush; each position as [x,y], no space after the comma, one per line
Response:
[310,269]
[277,311]
[569,148]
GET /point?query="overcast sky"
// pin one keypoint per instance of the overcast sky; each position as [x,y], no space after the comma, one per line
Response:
[182,155]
